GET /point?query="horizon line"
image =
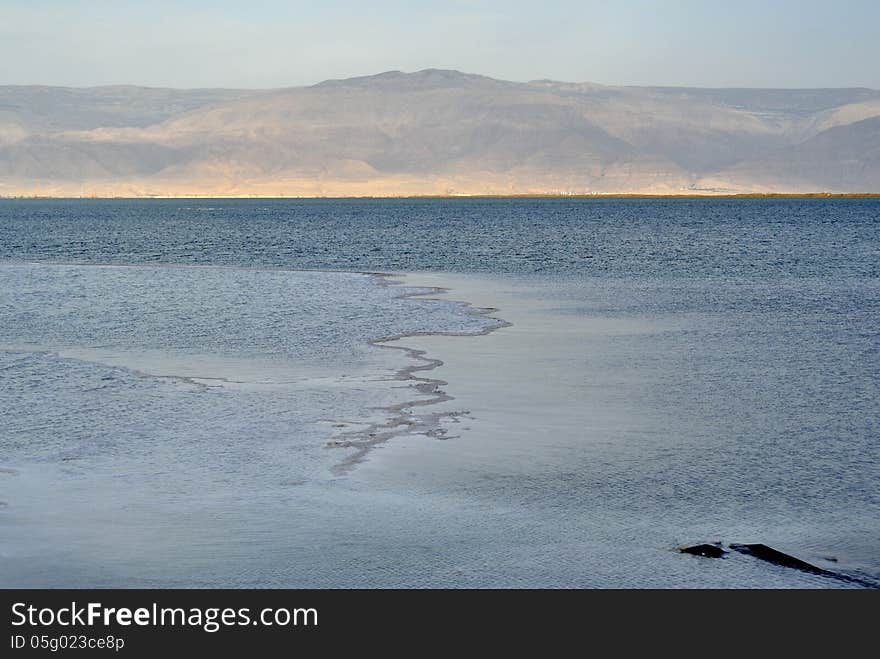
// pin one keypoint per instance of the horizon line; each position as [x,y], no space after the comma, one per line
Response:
[434,70]
[596,195]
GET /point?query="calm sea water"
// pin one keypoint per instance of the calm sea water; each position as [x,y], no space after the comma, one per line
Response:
[724,238]
[170,377]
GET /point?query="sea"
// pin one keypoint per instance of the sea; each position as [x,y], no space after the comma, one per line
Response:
[439,393]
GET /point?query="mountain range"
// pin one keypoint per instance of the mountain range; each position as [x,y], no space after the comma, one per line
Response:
[436,132]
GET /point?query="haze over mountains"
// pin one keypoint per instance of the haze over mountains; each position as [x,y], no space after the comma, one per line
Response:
[436,132]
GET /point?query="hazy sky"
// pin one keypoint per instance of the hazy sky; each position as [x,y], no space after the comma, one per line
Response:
[271,43]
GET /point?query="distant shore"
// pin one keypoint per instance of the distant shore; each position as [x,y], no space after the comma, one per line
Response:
[610,195]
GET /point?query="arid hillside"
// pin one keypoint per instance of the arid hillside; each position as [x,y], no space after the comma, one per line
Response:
[436,132]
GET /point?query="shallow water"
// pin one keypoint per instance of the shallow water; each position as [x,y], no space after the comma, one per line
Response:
[677,371]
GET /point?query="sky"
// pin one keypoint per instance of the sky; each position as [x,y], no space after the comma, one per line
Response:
[272,43]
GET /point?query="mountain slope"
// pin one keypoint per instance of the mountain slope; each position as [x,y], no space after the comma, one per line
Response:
[845,158]
[436,132]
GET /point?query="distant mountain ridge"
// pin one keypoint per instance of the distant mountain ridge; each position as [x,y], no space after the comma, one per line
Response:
[436,132]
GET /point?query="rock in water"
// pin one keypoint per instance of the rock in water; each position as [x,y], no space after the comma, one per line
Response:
[706,550]
[776,557]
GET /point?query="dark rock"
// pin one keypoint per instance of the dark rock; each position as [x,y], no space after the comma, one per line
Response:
[706,550]
[777,557]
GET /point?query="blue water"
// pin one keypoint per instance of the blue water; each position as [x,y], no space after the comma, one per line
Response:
[722,238]
[166,424]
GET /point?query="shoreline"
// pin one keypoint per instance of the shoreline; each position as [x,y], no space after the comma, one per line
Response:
[401,422]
